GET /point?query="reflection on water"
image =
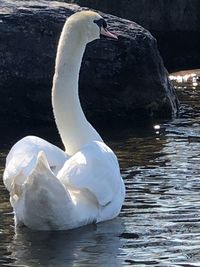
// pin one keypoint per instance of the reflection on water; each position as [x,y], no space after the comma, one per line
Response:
[160,221]
[75,248]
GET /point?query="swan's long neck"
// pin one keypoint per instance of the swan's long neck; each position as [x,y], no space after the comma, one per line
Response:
[74,129]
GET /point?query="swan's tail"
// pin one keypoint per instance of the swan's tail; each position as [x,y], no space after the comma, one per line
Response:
[44,202]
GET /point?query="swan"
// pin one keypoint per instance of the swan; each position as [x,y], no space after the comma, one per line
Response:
[51,189]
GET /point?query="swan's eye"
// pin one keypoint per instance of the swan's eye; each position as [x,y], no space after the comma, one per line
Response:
[101,23]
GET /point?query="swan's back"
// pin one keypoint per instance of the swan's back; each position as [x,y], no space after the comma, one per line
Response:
[88,188]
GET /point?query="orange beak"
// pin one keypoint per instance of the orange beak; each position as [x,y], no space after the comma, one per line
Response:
[105,32]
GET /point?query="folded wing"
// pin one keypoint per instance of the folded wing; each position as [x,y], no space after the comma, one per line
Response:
[95,168]
[22,159]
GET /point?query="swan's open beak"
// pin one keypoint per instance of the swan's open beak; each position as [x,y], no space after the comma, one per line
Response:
[105,32]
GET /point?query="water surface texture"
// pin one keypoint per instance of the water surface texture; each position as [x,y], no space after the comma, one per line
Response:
[159,224]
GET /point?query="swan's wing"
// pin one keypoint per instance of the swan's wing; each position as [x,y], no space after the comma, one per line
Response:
[22,159]
[96,169]
[44,202]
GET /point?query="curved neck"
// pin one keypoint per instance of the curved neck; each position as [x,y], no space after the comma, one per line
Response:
[74,129]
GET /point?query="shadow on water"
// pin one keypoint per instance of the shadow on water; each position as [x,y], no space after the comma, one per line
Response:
[160,219]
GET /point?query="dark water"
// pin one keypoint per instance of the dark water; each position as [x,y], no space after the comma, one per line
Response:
[160,221]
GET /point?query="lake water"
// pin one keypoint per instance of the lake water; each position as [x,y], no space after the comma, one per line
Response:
[159,224]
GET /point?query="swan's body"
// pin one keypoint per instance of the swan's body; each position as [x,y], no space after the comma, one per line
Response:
[54,190]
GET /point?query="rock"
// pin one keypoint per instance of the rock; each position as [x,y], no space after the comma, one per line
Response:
[175,24]
[162,15]
[121,81]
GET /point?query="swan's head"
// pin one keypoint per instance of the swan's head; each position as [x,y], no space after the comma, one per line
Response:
[89,26]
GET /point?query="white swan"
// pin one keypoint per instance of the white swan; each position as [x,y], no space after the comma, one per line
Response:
[54,190]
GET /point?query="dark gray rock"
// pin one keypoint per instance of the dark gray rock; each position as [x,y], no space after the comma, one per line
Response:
[174,23]
[121,81]
[157,15]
